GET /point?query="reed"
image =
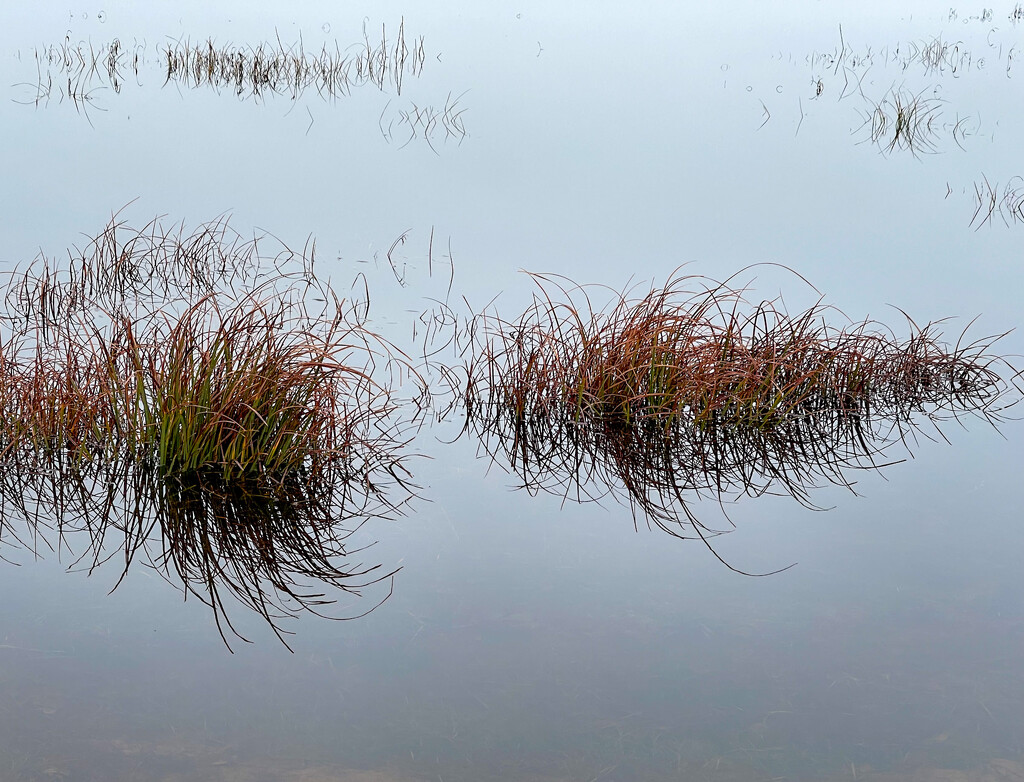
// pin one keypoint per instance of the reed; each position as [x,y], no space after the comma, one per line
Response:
[188,389]
[910,122]
[277,68]
[77,70]
[690,391]
[990,201]
[140,270]
[254,387]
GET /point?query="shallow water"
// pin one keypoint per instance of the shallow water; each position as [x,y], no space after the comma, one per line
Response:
[531,637]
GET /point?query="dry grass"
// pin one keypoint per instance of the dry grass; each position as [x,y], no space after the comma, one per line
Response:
[689,392]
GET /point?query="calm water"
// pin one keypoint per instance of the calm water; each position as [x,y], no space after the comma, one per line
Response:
[529,638]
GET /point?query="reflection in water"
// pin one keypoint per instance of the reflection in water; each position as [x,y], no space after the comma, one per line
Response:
[206,404]
[689,392]
[278,553]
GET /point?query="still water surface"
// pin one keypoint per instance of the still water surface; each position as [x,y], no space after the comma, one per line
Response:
[529,638]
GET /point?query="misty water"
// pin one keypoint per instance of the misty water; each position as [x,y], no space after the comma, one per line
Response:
[534,637]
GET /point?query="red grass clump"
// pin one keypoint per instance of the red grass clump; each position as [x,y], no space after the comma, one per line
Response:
[690,391]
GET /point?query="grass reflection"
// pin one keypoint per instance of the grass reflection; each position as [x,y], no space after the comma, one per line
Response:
[278,552]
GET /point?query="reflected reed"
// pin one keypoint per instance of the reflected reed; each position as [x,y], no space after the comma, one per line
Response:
[280,553]
[690,392]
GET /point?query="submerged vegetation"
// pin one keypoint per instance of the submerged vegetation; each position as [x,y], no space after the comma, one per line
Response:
[161,377]
[278,552]
[689,392]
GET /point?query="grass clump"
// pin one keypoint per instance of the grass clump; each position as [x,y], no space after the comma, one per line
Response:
[910,122]
[77,70]
[193,354]
[188,389]
[243,395]
[689,391]
[277,68]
